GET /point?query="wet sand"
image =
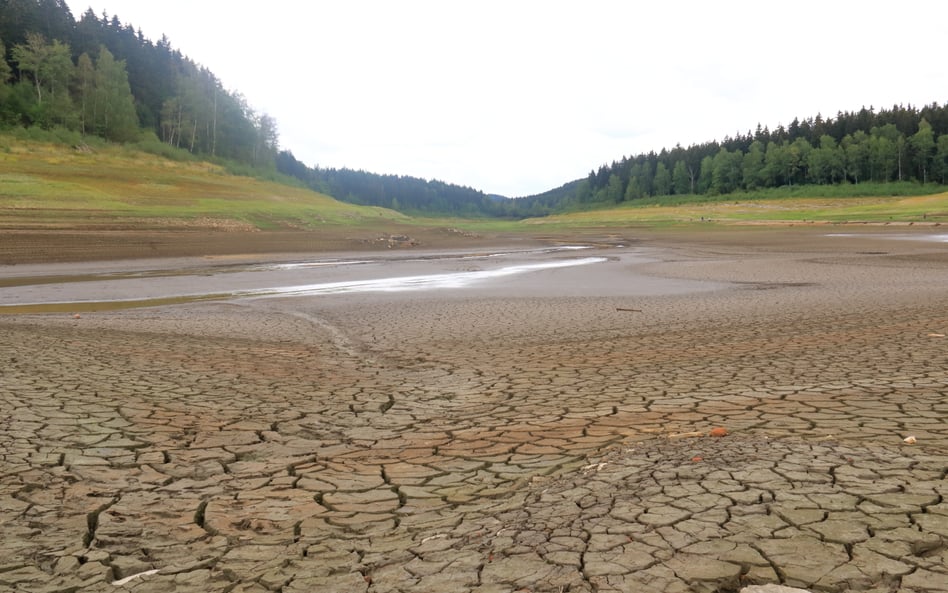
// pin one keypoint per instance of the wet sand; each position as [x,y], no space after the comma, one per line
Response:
[543,433]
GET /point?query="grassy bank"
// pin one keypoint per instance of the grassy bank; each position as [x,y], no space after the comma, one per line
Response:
[48,185]
[776,210]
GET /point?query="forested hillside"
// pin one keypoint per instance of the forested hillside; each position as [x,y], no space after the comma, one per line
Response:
[101,77]
[398,192]
[897,144]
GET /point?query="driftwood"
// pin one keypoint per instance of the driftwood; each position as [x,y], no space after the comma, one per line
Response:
[686,435]
[629,310]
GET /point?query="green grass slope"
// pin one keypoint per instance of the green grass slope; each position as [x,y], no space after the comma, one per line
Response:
[52,186]
[777,211]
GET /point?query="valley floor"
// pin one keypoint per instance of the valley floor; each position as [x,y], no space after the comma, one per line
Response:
[546,434]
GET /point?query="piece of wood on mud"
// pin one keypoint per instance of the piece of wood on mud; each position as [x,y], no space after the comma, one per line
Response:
[686,435]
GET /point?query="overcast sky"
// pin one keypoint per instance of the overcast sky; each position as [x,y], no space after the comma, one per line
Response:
[516,97]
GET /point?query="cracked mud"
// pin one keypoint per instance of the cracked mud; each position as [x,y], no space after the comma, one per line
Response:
[479,443]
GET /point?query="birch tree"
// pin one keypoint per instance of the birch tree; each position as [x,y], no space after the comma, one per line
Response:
[50,67]
[85,78]
[118,121]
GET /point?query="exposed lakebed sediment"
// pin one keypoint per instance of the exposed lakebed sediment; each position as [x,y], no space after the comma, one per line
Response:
[539,431]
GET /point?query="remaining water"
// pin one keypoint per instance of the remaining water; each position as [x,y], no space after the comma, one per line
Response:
[926,237]
[529,273]
[423,282]
[335,276]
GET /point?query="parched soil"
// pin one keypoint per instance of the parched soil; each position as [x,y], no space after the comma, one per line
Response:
[475,442]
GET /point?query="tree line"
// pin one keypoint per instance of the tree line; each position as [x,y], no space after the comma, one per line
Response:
[903,143]
[398,192]
[101,77]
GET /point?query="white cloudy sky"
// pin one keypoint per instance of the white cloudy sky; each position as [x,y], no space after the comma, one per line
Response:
[519,96]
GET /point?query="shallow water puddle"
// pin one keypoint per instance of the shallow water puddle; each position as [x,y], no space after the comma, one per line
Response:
[95,306]
[394,284]
[926,237]
[428,281]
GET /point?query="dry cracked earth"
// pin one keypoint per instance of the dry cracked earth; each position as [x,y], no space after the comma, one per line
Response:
[441,444]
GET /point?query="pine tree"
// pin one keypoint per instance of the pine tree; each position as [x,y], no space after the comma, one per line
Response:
[5,71]
[6,110]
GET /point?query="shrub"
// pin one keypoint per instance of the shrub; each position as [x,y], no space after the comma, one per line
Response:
[152,145]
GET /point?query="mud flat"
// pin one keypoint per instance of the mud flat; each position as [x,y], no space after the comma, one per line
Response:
[546,431]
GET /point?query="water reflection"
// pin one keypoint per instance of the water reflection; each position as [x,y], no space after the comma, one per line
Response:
[926,237]
[129,291]
[423,282]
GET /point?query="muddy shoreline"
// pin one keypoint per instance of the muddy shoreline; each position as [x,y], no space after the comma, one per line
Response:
[24,246]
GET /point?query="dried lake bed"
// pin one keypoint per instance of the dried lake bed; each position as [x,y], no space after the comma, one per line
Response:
[481,420]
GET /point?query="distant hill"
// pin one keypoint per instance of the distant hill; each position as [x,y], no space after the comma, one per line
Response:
[403,193]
